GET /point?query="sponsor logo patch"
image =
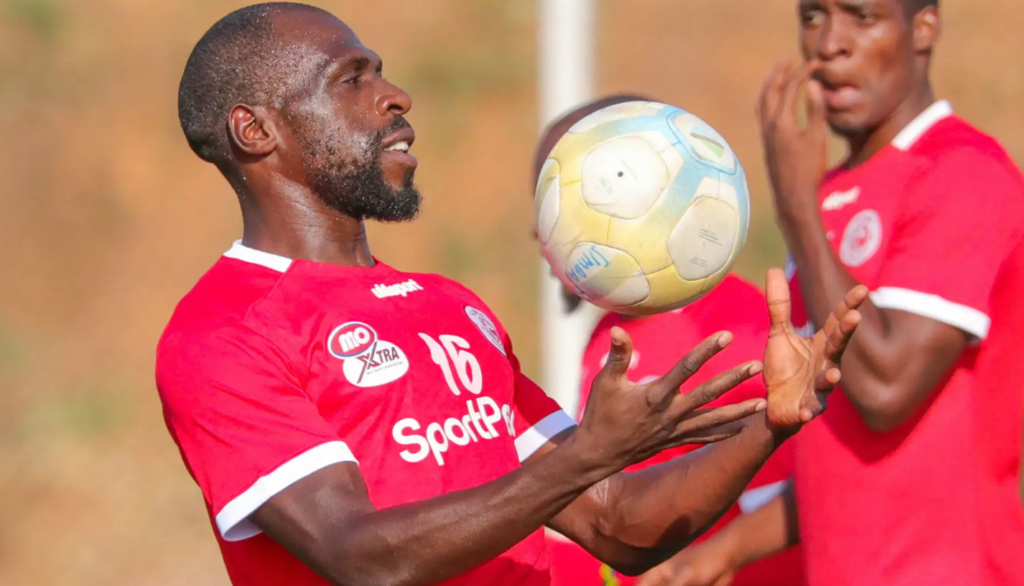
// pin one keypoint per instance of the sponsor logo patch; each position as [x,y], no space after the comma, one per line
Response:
[367,361]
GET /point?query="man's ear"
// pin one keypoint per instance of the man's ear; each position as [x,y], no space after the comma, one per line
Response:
[927,29]
[252,131]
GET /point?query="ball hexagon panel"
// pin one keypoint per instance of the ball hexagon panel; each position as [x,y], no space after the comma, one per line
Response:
[703,241]
[624,176]
[705,143]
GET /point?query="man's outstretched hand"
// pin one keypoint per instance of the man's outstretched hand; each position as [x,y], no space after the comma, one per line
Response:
[799,373]
[627,422]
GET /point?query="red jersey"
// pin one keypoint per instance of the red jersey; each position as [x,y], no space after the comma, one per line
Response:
[659,341]
[932,224]
[272,369]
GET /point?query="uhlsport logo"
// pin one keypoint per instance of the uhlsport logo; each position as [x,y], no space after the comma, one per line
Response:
[840,199]
[367,361]
[486,327]
[401,289]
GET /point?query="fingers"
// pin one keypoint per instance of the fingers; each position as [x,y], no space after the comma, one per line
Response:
[791,90]
[779,305]
[826,380]
[839,336]
[620,353]
[691,363]
[768,103]
[816,111]
[854,298]
[705,426]
[718,386]
[781,92]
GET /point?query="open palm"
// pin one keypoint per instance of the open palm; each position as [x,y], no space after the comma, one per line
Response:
[800,372]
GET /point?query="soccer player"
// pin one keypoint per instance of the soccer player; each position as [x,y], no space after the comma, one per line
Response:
[350,423]
[733,305]
[910,477]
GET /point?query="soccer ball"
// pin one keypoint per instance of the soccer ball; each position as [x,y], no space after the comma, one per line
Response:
[642,208]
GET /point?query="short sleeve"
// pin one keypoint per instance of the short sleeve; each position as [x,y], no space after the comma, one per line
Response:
[537,417]
[245,427]
[949,243]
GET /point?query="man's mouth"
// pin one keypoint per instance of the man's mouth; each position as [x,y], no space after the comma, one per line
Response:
[401,146]
[839,94]
[397,144]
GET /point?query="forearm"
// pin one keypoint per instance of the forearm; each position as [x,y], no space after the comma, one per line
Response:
[762,533]
[873,362]
[433,540]
[653,513]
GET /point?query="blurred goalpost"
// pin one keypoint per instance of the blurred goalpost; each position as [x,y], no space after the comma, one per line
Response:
[566,79]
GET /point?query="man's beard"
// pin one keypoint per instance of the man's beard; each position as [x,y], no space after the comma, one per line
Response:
[356,187]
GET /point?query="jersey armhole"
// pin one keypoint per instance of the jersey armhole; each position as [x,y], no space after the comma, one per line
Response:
[233,519]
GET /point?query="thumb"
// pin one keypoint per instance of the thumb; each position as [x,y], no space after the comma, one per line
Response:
[776,292]
[620,353]
[815,106]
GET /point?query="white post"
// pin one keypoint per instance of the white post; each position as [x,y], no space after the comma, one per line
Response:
[566,69]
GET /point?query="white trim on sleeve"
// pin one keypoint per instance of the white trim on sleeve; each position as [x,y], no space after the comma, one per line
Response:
[756,498]
[532,439]
[233,520]
[968,319]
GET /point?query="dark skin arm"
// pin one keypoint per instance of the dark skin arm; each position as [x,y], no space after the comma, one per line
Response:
[751,537]
[634,521]
[328,522]
[898,358]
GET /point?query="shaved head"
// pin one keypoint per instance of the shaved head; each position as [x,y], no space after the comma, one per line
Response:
[240,60]
[286,90]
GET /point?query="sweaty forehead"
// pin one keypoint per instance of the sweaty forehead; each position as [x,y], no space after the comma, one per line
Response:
[311,39]
[887,5]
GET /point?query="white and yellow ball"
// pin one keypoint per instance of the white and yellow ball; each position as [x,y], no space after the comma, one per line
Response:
[642,208]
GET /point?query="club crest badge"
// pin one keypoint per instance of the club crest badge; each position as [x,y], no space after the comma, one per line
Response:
[486,327]
[861,239]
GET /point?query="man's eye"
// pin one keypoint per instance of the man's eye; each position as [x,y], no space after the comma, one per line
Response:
[866,18]
[811,18]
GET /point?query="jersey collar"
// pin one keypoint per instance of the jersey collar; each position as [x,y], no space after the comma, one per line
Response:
[912,132]
[239,251]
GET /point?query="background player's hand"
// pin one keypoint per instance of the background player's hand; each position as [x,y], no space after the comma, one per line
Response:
[707,563]
[796,155]
[801,372]
[625,422]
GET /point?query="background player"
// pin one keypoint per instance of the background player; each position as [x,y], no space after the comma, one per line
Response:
[292,359]
[733,305]
[911,476]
